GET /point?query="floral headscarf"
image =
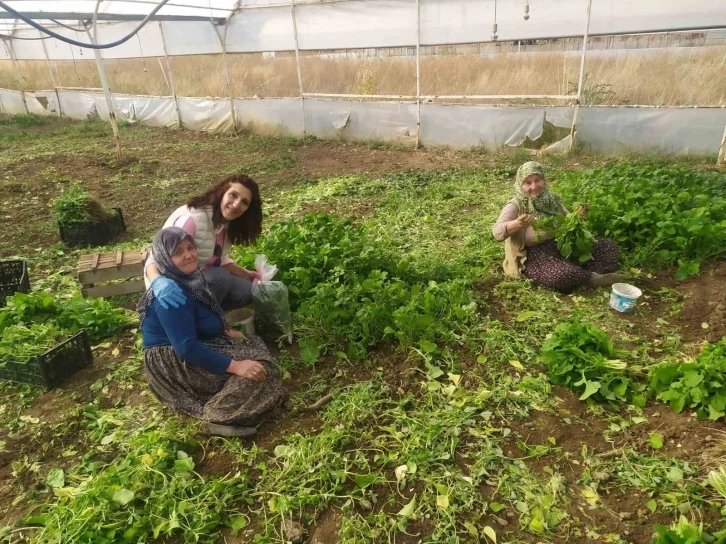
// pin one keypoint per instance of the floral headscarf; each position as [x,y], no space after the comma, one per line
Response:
[542,205]
[194,283]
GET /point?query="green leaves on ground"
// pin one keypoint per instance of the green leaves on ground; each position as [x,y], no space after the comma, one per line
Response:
[699,384]
[581,357]
[150,492]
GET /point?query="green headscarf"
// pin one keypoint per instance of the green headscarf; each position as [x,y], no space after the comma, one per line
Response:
[545,203]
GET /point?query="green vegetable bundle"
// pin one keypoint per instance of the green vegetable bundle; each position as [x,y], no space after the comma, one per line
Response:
[582,358]
[99,317]
[77,206]
[699,385]
[572,234]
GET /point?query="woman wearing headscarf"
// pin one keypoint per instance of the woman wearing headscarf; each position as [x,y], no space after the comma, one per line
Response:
[194,364]
[531,254]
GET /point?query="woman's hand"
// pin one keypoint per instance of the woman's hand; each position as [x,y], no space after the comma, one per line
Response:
[524,221]
[252,370]
[237,335]
[252,275]
[582,212]
[168,292]
[242,272]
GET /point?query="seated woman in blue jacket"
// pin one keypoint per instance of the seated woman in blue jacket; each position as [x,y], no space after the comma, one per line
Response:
[194,364]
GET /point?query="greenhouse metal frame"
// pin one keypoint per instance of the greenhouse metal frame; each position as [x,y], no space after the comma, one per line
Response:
[190,27]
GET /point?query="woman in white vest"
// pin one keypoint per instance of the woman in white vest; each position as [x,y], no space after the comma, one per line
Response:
[230,212]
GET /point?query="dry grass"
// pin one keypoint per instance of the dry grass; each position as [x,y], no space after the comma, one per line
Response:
[664,79]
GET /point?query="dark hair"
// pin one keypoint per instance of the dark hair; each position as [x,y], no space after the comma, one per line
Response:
[248,226]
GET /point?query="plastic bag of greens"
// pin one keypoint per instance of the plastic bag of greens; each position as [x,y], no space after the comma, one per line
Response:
[270,299]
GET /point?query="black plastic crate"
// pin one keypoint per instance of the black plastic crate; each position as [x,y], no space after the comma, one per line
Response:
[13,279]
[54,366]
[93,234]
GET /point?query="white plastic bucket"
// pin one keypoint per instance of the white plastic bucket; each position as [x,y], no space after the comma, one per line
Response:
[242,320]
[624,297]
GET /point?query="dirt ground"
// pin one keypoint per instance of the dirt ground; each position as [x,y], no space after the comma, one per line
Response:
[28,187]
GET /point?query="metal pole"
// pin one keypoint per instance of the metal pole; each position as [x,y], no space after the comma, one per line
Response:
[16,73]
[581,81]
[722,150]
[299,67]
[564,66]
[106,89]
[418,74]
[171,79]
[52,77]
[228,76]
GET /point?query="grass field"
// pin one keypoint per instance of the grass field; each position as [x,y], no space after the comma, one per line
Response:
[662,79]
[445,425]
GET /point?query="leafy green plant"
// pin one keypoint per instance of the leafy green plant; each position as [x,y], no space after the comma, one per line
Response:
[684,531]
[317,248]
[347,295]
[99,317]
[660,213]
[572,234]
[20,343]
[75,205]
[582,357]
[699,384]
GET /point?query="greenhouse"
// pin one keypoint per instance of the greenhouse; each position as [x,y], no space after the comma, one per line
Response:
[363,271]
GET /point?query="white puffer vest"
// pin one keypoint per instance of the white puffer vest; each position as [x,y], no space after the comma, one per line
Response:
[204,235]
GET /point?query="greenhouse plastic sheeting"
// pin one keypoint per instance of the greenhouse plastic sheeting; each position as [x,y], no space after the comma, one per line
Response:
[365,120]
[390,23]
[206,114]
[489,126]
[678,131]
[603,129]
[269,116]
[11,102]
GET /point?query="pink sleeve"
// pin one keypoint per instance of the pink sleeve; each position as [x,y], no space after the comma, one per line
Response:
[187,223]
[509,213]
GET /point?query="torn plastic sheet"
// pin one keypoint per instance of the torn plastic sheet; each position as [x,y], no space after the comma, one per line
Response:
[11,102]
[488,126]
[390,121]
[339,119]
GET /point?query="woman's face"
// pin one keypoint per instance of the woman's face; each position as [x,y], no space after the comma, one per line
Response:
[185,257]
[235,201]
[533,185]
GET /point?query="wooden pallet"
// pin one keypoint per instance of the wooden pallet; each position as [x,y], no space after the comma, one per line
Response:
[105,267]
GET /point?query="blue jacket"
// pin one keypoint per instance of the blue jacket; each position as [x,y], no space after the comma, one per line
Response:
[185,328]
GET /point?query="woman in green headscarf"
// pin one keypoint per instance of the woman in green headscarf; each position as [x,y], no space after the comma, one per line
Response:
[532,255]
